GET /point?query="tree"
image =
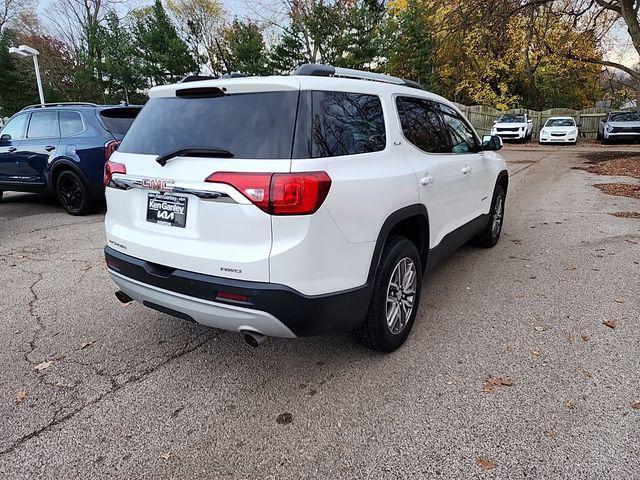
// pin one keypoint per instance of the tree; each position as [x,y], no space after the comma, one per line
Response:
[201,22]
[245,47]
[11,10]
[120,65]
[164,56]
[409,43]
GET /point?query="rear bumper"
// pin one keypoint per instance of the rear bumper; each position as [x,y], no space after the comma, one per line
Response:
[270,309]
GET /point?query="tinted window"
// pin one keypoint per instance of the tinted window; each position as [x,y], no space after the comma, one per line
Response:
[43,124]
[118,120]
[463,138]
[421,124]
[70,123]
[250,125]
[346,124]
[15,127]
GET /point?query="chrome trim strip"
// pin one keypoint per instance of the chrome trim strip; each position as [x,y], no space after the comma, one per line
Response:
[127,182]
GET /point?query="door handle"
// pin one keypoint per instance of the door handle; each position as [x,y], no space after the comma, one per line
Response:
[12,149]
[466,170]
[427,180]
[50,148]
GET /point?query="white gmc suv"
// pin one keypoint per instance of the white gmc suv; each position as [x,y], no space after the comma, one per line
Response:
[297,205]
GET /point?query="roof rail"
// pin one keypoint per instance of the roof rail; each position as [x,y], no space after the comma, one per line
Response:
[61,104]
[318,70]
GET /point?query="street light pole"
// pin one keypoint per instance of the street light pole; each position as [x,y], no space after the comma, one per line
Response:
[26,51]
[37,67]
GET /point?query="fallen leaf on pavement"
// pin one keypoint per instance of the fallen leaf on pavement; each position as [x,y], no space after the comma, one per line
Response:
[618,300]
[485,464]
[568,403]
[535,353]
[635,405]
[87,344]
[491,384]
[551,434]
[166,455]
[588,374]
[586,338]
[610,323]
[42,366]
[21,395]
[541,328]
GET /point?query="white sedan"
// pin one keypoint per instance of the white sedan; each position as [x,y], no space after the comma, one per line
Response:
[559,130]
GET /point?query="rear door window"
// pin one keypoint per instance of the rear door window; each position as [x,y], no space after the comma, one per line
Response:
[43,124]
[463,138]
[15,128]
[249,125]
[346,124]
[421,125]
[70,124]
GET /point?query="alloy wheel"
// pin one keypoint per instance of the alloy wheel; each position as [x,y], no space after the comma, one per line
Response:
[401,295]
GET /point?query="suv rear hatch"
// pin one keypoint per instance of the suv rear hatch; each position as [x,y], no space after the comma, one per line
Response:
[169,208]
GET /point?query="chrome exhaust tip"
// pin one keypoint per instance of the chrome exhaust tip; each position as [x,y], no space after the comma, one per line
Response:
[254,339]
[123,297]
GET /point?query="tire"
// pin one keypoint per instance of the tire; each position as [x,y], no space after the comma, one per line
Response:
[73,194]
[376,332]
[491,234]
[598,136]
[1,195]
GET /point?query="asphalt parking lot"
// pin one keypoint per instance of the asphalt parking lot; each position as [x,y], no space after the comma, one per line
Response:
[509,371]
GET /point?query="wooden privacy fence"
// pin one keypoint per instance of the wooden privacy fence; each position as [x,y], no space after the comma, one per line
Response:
[483,117]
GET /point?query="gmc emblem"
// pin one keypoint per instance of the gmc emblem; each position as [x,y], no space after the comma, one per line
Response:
[157,184]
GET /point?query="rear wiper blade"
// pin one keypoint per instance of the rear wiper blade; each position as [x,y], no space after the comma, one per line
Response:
[194,152]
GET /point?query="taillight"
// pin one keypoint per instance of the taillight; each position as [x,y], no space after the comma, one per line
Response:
[110,168]
[109,148]
[279,193]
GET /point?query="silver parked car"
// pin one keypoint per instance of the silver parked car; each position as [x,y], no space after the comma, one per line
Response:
[619,126]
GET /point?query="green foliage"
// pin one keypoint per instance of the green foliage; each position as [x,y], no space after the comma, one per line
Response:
[409,43]
[164,56]
[245,47]
[120,65]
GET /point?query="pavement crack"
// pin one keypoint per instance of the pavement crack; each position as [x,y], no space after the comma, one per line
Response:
[187,348]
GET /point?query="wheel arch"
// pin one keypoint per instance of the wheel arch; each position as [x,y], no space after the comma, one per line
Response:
[411,222]
[503,180]
[60,165]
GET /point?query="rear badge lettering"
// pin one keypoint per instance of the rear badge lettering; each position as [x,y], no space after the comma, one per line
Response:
[230,270]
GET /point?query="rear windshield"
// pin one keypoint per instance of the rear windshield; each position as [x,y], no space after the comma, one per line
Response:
[249,125]
[118,120]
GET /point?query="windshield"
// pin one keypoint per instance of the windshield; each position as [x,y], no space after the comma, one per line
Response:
[249,125]
[560,122]
[512,119]
[625,117]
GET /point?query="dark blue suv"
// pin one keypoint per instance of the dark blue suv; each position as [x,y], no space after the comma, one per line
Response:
[61,148]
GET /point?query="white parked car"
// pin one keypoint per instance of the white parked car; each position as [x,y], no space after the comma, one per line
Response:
[513,126]
[296,206]
[559,130]
[619,126]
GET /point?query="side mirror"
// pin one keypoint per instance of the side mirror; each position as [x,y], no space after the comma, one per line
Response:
[491,142]
[579,125]
[529,121]
[5,137]
[495,121]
